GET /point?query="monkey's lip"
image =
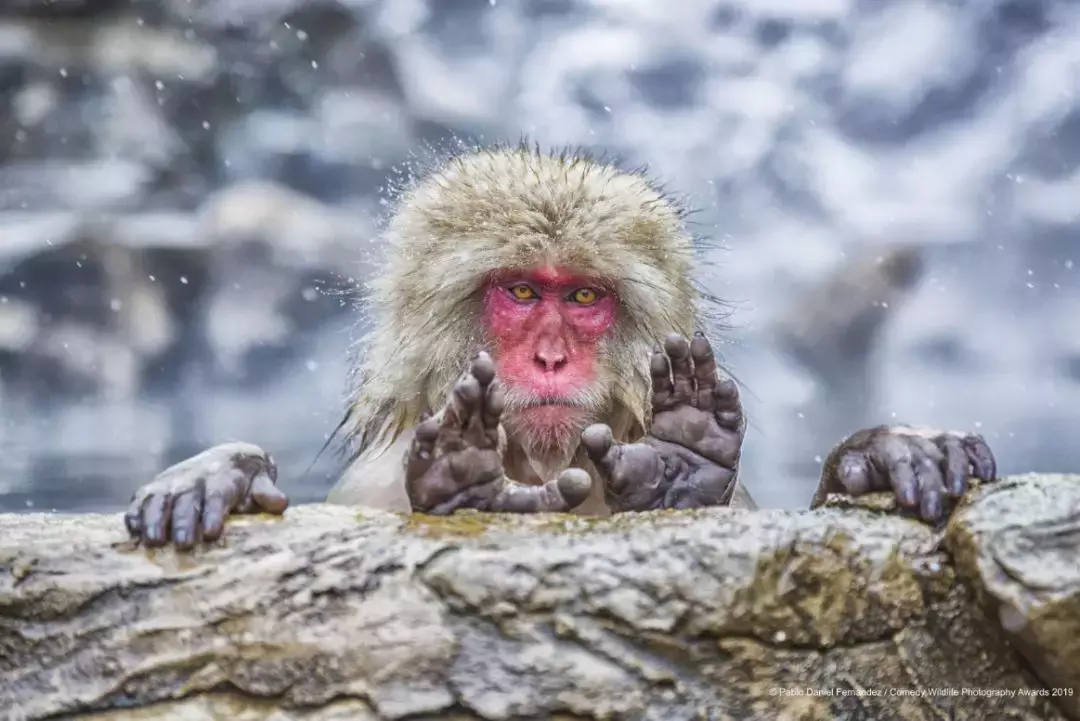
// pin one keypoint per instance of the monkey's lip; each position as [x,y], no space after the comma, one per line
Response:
[550,402]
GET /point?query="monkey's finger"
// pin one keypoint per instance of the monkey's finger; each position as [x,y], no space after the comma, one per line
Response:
[726,405]
[701,353]
[574,485]
[464,396]
[957,466]
[597,440]
[855,474]
[225,492]
[267,496]
[892,454]
[606,456]
[483,369]
[422,449]
[678,350]
[157,512]
[633,473]
[216,507]
[927,465]
[567,491]
[133,517]
[476,431]
[464,399]
[187,509]
[660,370]
[427,431]
[494,404]
[982,459]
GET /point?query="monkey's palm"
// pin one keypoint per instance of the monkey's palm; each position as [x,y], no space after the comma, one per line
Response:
[454,467]
[454,461]
[690,456]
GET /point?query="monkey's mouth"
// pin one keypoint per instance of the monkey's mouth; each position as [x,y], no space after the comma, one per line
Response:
[549,402]
[549,422]
[540,403]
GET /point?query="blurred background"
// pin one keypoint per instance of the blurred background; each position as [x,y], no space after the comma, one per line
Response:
[191,191]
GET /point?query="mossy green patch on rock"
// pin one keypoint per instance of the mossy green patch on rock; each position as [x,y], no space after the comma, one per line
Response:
[459,524]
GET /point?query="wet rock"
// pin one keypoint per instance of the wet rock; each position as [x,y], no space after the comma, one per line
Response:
[337,612]
[1018,546]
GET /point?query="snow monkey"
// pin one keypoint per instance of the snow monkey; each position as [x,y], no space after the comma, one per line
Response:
[537,346]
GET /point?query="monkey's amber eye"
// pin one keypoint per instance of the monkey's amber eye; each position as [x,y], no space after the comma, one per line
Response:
[584,296]
[523,292]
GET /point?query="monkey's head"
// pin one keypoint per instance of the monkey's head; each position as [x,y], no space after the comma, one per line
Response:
[567,270]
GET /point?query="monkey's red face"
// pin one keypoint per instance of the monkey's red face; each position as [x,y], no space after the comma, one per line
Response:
[546,325]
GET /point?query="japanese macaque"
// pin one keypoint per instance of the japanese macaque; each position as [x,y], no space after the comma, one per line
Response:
[538,346]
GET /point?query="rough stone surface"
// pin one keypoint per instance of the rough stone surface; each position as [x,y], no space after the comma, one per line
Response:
[1018,546]
[332,612]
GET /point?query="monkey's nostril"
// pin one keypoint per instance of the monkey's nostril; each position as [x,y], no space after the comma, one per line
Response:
[550,362]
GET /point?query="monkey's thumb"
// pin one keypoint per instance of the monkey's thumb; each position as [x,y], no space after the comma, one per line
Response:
[267,496]
[575,485]
[597,440]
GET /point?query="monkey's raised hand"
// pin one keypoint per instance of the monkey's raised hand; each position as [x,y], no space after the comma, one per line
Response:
[690,456]
[926,469]
[454,459]
[191,500]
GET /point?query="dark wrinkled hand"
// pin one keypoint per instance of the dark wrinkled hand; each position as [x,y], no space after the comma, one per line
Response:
[927,470]
[191,500]
[690,457]
[454,459]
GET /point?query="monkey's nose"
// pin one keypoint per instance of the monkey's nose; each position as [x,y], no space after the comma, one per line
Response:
[550,361]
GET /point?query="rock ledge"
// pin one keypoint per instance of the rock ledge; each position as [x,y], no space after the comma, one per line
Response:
[335,613]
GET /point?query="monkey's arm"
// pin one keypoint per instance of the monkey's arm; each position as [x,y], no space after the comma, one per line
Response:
[191,500]
[376,482]
[926,469]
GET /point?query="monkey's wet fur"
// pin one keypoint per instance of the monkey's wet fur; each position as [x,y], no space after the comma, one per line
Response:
[537,346]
